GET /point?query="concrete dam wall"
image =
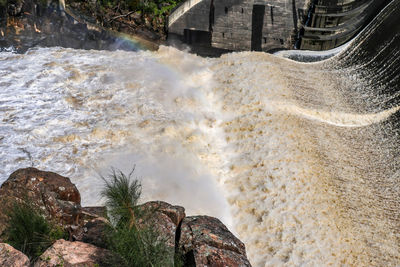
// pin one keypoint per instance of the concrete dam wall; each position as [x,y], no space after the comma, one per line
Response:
[268,25]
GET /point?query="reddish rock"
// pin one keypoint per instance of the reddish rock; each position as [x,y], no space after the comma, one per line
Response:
[93,232]
[65,253]
[205,241]
[11,257]
[174,213]
[55,195]
[165,219]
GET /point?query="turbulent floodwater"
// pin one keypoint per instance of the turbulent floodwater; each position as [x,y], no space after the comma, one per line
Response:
[300,160]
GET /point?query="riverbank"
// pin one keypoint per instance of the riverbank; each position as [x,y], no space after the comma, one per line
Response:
[82,25]
[146,19]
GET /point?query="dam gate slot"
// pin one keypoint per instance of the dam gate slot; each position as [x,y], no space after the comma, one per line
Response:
[257,27]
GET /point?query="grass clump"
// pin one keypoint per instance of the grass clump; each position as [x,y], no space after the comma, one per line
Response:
[29,232]
[136,243]
[122,195]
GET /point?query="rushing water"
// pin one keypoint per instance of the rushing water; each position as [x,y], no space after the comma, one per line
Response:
[300,159]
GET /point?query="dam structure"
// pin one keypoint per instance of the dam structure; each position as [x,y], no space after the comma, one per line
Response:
[261,25]
[331,23]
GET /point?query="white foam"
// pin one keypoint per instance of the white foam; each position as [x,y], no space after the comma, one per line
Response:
[246,138]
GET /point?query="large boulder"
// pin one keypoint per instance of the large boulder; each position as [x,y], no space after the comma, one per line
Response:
[65,253]
[165,219]
[206,241]
[11,257]
[175,214]
[55,195]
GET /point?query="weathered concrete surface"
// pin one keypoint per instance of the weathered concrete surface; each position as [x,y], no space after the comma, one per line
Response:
[230,22]
[330,24]
[263,25]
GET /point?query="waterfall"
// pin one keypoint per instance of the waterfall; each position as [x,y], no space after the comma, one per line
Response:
[299,159]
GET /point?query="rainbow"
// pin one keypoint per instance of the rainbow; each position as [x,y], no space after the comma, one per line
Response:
[133,42]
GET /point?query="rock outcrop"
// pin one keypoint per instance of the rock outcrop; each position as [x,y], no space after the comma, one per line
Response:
[165,219]
[55,195]
[11,257]
[65,253]
[200,240]
[206,241]
[174,213]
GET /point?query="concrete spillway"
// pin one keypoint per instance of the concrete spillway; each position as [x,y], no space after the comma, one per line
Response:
[260,25]
[331,23]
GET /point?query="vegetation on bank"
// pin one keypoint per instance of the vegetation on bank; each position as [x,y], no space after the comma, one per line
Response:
[130,235]
[28,230]
[151,7]
[130,16]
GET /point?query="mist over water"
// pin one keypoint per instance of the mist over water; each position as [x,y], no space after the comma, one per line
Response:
[81,112]
[299,159]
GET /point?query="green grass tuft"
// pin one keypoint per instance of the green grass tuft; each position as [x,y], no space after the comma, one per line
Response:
[29,232]
[136,243]
[122,194]
[140,247]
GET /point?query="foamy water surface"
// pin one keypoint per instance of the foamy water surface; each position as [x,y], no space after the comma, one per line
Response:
[249,138]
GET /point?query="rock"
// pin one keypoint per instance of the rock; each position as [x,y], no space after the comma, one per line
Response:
[65,253]
[205,241]
[174,213]
[11,257]
[94,226]
[95,211]
[55,195]
[93,232]
[165,219]
[90,213]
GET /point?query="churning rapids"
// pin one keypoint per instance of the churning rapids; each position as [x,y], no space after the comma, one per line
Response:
[301,159]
